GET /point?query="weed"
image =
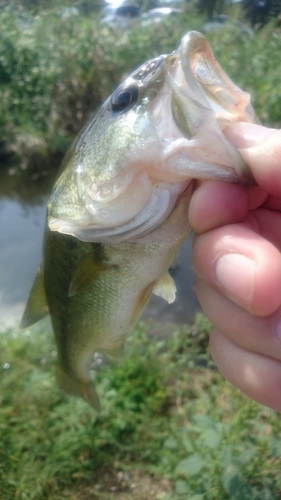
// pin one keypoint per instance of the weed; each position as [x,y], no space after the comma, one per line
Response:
[169,424]
[54,73]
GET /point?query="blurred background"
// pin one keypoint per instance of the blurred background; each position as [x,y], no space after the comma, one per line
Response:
[60,60]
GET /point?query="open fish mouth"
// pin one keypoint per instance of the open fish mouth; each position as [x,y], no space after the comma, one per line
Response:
[160,129]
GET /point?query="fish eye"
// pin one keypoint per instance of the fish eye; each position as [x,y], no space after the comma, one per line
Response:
[124,98]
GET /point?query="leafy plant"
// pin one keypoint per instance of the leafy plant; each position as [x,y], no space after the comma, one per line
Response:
[169,425]
[55,72]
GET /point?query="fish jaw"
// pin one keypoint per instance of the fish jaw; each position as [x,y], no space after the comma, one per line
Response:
[203,102]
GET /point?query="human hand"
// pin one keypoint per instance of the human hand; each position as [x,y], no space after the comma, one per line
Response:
[238,262]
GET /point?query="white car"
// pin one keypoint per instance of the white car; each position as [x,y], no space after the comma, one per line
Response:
[156,15]
[120,17]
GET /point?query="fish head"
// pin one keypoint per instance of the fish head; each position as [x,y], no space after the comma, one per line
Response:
[161,128]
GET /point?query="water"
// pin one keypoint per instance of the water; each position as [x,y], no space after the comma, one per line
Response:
[22,221]
[186,303]
[21,230]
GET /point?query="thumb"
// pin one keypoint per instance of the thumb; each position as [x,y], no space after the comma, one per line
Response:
[260,147]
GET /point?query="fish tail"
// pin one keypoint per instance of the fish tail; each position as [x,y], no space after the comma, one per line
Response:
[76,387]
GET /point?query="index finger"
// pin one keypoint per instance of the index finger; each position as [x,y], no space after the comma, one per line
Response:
[260,147]
[217,203]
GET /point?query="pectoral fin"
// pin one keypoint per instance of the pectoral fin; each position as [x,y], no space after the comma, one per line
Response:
[36,307]
[88,270]
[166,288]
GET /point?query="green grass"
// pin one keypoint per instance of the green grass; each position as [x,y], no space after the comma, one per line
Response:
[170,426]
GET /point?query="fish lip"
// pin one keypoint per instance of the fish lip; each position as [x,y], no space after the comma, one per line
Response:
[200,112]
[193,46]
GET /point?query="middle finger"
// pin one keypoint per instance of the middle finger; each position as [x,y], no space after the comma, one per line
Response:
[261,335]
[241,264]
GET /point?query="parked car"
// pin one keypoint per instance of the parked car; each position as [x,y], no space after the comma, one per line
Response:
[218,22]
[69,12]
[258,13]
[121,16]
[156,15]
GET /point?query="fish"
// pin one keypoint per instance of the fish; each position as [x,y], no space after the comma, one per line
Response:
[118,212]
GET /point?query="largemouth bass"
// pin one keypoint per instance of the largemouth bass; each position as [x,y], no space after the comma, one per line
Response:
[118,212]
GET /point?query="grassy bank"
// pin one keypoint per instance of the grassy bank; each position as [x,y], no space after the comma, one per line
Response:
[170,427]
[54,73]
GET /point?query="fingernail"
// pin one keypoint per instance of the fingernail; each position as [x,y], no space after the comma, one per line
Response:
[246,135]
[235,274]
